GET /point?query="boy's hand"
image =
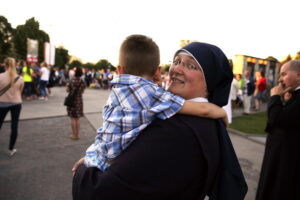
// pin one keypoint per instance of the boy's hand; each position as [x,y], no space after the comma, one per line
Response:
[225,120]
[77,164]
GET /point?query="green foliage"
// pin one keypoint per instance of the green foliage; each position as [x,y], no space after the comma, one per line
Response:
[298,56]
[62,57]
[230,63]
[104,64]
[254,123]
[165,68]
[75,63]
[6,45]
[29,30]
[89,66]
[271,58]
[186,42]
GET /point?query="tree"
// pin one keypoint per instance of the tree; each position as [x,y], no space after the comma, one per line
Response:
[186,42]
[89,66]
[62,57]
[29,30]
[165,68]
[230,63]
[298,56]
[271,58]
[75,63]
[104,64]
[288,58]
[6,45]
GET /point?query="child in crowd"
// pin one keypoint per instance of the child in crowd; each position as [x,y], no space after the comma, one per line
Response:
[136,100]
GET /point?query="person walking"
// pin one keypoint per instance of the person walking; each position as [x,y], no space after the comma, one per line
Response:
[11,87]
[76,110]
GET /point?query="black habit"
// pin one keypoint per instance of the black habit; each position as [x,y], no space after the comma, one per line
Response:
[280,173]
[177,158]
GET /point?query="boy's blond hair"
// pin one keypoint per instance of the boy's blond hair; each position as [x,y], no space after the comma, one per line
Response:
[139,55]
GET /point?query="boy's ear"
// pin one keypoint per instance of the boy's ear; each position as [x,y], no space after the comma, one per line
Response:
[120,70]
[157,71]
[157,75]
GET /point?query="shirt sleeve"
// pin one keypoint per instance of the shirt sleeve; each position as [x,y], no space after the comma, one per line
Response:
[279,113]
[166,104]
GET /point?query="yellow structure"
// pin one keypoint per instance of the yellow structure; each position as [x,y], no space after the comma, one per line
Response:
[269,67]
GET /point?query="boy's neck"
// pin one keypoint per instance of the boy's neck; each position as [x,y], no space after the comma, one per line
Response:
[143,76]
[121,70]
[147,77]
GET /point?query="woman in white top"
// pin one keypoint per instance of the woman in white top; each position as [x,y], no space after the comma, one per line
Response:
[45,73]
[11,86]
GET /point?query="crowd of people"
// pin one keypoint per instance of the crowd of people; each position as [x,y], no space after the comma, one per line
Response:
[39,78]
[248,92]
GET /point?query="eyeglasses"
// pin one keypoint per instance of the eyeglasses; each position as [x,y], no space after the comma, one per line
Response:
[188,66]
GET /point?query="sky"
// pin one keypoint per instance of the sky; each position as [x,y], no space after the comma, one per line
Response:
[94,29]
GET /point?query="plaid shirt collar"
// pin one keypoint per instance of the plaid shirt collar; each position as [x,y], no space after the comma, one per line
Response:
[129,79]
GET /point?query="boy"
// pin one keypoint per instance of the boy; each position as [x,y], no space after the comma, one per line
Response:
[135,101]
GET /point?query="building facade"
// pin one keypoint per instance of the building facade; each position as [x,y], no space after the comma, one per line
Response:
[269,67]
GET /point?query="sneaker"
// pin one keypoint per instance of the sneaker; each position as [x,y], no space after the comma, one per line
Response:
[41,98]
[12,152]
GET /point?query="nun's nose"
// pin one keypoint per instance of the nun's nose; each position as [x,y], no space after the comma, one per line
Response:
[177,69]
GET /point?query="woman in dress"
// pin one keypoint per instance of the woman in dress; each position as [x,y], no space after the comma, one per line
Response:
[76,110]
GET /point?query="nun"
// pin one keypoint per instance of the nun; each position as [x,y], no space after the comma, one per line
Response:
[180,158]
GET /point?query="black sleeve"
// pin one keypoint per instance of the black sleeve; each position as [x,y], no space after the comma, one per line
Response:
[283,116]
[164,162]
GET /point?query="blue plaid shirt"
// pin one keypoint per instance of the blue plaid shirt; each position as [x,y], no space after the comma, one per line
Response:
[132,105]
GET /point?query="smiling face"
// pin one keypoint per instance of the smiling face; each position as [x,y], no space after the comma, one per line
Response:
[186,78]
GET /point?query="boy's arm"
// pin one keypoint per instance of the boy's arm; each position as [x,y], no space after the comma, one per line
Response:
[204,109]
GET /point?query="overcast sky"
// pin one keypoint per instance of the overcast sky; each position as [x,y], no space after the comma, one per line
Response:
[94,29]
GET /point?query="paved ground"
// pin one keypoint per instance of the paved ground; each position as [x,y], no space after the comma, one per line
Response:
[41,169]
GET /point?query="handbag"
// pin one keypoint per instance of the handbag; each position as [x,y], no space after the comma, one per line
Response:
[70,98]
[8,86]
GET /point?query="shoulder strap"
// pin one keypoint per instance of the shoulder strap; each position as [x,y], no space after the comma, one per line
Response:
[8,86]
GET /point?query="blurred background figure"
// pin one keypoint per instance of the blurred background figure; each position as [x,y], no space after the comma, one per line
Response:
[52,80]
[240,98]
[76,111]
[27,73]
[44,74]
[11,86]
[260,88]
[248,90]
[234,92]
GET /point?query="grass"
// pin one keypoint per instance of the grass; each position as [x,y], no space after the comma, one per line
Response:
[251,124]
